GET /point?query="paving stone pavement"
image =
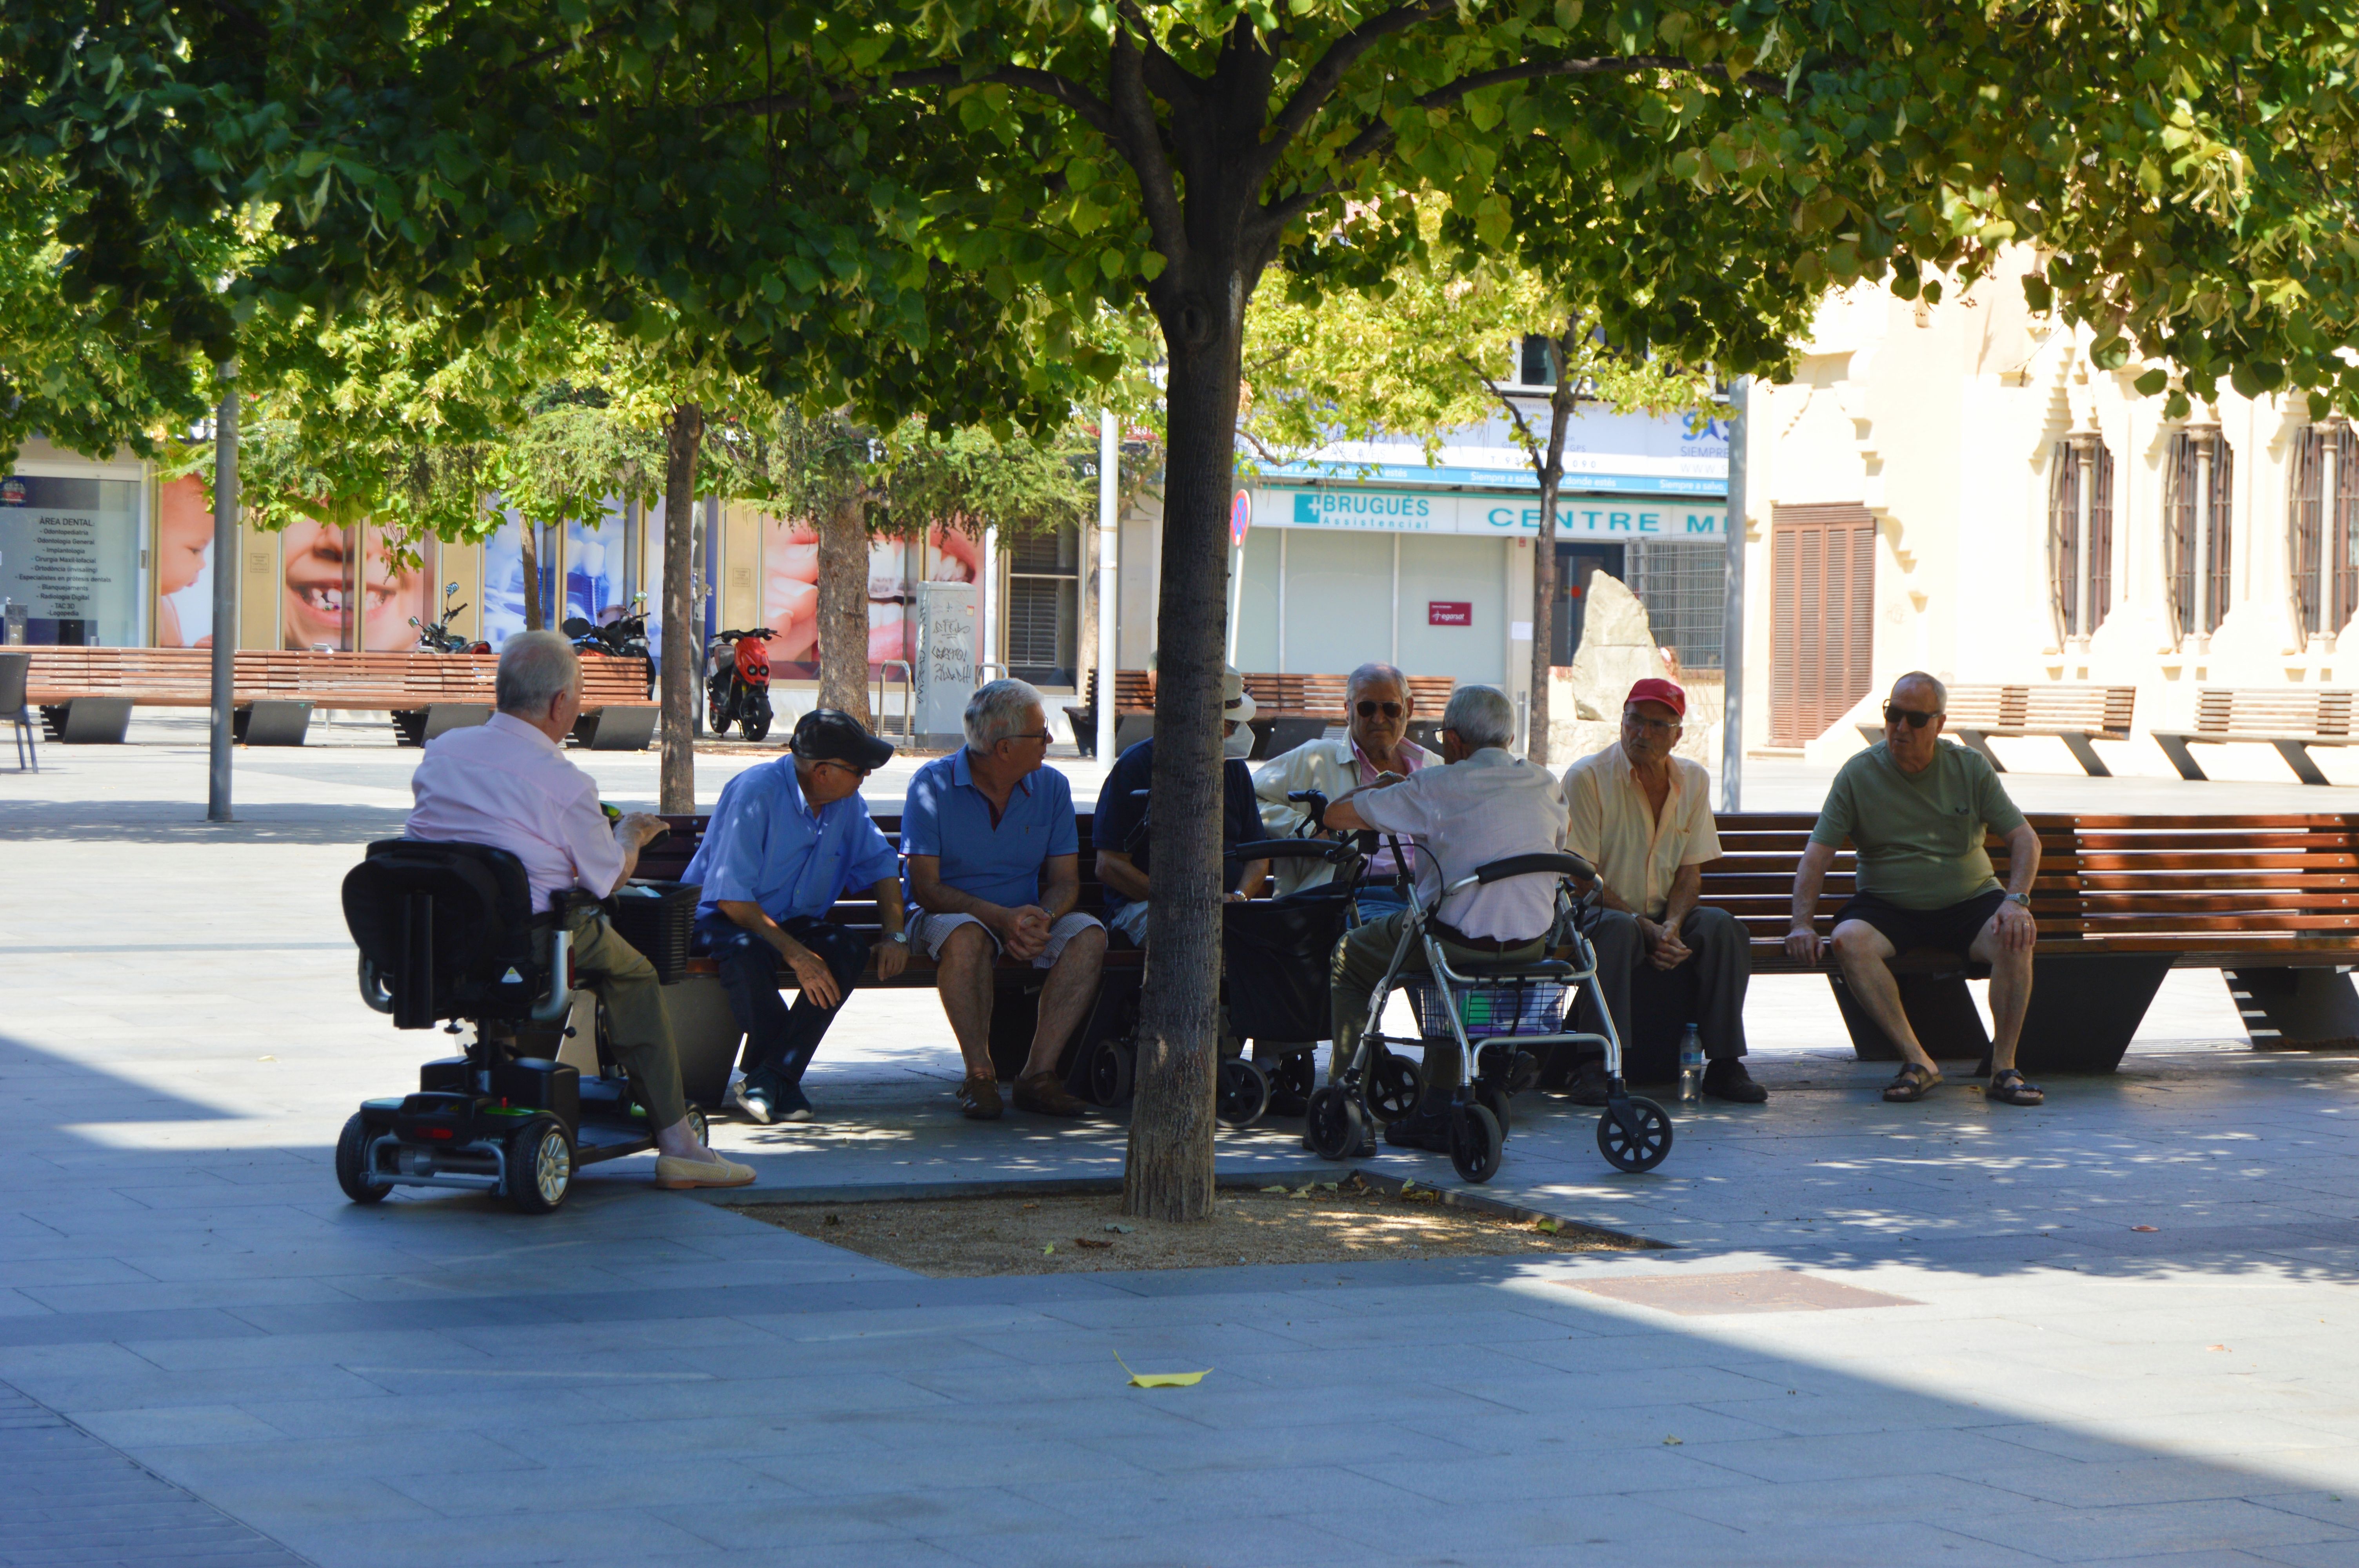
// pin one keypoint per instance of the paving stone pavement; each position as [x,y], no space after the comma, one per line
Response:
[646,1378]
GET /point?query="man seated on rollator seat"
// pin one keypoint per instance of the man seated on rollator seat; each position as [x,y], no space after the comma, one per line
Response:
[1485,805]
[788,838]
[1642,817]
[995,855]
[1915,811]
[508,784]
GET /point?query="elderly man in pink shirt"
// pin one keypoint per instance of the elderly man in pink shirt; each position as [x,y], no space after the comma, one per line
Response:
[508,784]
[1376,751]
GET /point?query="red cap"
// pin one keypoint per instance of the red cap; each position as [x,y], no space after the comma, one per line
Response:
[1661,691]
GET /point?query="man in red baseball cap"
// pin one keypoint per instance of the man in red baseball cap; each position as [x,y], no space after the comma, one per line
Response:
[1642,816]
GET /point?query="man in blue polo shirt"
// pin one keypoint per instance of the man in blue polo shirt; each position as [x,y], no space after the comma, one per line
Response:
[785,841]
[994,867]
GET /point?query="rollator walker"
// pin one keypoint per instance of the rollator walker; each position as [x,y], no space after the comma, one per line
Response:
[1492,1010]
[446,931]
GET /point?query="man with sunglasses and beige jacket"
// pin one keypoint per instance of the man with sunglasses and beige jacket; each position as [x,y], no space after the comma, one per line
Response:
[1376,751]
[1917,812]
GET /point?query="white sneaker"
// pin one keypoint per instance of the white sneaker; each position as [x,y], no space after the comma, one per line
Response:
[754,1107]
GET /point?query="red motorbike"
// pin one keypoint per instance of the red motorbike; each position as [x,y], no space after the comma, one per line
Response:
[737,682]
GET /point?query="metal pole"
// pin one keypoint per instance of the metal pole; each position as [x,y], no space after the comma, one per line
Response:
[225,565]
[1732,614]
[988,598]
[1109,492]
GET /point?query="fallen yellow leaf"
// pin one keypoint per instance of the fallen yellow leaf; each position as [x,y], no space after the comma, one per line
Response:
[1161,1379]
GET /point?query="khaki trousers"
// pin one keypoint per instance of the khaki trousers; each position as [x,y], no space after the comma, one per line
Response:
[638,1029]
[1359,969]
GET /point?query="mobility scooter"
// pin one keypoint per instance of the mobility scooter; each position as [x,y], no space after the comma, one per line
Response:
[447,931]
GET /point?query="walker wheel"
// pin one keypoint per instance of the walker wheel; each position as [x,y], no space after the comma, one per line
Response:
[1493,1098]
[1645,1151]
[1334,1124]
[1292,1083]
[1111,1066]
[1243,1093]
[1475,1142]
[699,1128]
[352,1164]
[540,1165]
[1394,1085]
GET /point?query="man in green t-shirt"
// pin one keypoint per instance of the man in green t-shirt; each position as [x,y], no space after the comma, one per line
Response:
[1916,811]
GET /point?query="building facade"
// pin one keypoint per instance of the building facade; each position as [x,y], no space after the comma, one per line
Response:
[1958,488]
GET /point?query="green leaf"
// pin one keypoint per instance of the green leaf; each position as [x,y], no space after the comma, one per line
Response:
[2152,382]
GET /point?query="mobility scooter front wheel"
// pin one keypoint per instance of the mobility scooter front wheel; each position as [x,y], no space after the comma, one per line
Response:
[540,1165]
[352,1165]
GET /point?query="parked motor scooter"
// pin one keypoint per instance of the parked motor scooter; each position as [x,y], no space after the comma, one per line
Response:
[737,689]
[626,638]
[436,637]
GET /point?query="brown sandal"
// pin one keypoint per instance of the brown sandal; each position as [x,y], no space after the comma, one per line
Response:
[1911,1083]
[2008,1087]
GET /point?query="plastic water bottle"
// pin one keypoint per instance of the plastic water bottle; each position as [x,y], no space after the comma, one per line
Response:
[1690,1065]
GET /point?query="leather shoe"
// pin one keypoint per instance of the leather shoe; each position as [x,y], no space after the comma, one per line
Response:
[978,1099]
[1588,1082]
[1044,1094]
[675,1175]
[1727,1079]
[1421,1130]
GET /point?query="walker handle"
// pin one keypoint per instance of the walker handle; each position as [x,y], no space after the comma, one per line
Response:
[1560,865]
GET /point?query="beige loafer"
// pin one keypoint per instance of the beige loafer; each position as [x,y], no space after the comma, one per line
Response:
[679,1175]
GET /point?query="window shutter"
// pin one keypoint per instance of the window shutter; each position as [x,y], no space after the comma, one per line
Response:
[1822,564]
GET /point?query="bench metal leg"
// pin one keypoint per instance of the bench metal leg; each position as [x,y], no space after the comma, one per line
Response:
[89,721]
[2296,1010]
[1978,741]
[2085,1011]
[621,728]
[2297,757]
[2086,756]
[446,716]
[2175,748]
[273,722]
[704,1031]
[1939,1009]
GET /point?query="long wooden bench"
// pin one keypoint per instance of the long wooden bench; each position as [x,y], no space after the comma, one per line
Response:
[2270,902]
[708,1048]
[2292,718]
[2076,715]
[87,694]
[1288,709]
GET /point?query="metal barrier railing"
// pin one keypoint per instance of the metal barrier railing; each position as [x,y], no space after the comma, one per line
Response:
[908,696]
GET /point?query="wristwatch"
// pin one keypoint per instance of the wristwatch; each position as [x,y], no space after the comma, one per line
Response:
[2022,898]
[900,937]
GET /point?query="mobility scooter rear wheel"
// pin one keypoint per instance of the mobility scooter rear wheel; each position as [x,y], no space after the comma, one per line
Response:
[540,1165]
[1334,1124]
[1112,1063]
[352,1164]
[1475,1142]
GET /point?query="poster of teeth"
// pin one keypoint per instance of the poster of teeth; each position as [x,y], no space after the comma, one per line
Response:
[323,603]
[591,585]
[790,591]
[69,552]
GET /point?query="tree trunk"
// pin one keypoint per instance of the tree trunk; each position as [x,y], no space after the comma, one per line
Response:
[1168,1174]
[683,641]
[1563,399]
[843,605]
[528,552]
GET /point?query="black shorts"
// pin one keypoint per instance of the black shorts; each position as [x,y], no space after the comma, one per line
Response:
[1951,930]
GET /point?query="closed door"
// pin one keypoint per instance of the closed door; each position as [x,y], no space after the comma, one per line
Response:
[1823,616]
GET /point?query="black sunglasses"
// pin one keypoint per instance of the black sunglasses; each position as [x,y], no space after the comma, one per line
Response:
[1914,718]
[1368,709]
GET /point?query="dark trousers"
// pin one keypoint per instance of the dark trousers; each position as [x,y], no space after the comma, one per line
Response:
[780,1041]
[1716,977]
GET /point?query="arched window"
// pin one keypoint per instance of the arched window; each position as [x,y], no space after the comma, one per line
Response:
[2080,534]
[2322,528]
[2198,481]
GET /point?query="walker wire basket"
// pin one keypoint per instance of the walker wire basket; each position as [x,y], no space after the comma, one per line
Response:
[1499,1007]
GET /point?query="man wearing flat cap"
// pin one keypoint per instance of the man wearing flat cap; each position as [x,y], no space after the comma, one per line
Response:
[1642,817]
[786,840]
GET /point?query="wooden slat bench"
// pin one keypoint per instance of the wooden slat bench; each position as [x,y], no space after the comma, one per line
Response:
[707,1051]
[1288,709]
[87,694]
[2292,718]
[1134,692]
[2075,715]
[2271,902]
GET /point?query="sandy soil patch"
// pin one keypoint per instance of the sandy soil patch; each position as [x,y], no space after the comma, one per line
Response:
[1322,1223]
